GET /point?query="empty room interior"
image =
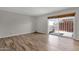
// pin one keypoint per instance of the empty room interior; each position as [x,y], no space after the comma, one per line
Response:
[39,29]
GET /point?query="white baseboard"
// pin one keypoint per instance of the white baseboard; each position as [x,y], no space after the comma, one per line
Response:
[15,35]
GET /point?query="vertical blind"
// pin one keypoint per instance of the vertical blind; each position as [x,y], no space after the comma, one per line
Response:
[66,26]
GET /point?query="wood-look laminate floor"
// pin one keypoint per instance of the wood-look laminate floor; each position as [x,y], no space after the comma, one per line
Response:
[38,42]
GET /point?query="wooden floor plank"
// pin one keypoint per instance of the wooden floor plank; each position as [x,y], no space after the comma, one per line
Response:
[38,42]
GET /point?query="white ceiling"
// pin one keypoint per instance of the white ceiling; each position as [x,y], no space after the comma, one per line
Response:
[32,11]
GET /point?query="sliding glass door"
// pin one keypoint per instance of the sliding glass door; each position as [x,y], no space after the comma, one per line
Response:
[61,26]
[53,25]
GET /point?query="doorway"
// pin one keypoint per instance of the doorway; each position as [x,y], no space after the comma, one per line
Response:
[61,26]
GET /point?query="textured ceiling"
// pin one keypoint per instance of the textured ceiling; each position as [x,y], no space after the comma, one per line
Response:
[32,11]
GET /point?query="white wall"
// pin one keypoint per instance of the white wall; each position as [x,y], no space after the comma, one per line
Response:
[42,21]
[15,24]
[42,24]
[77,24]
